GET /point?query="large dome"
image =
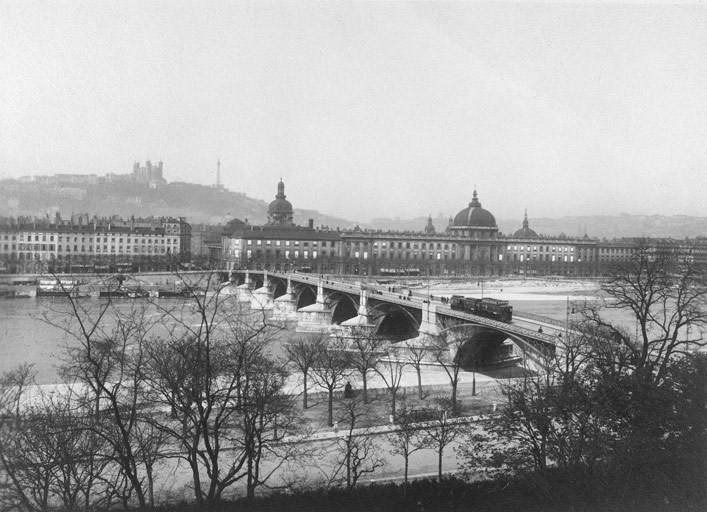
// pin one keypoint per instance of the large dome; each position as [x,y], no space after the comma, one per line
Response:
[280,206]
[475,216]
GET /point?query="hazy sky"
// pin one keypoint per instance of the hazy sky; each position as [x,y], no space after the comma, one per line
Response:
[369,109]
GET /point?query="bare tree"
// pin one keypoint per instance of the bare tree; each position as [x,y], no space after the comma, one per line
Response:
[15,493]
[664,289]
[107,358]
[406,439]
[417,353]
[366,352]
[331,370]
[54,457]
[356,450]
[223,389]
[303,353]
[441,431]
[267,414]
[446,351]
[391,369]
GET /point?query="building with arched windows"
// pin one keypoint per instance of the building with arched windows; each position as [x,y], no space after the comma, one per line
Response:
[470,245]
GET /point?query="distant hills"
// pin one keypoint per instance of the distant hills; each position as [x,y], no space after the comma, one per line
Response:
[594,226]
[198,203]
[212,205]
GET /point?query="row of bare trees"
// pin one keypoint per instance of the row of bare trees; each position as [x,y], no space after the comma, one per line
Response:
[331,360]
[624,400]
[144,382]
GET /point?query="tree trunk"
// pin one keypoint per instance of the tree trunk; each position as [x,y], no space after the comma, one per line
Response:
[348,459]
[365,388]
[197,480]
[405,482]
[304,395]
[440,452]
[150,485]
[331,407]
[419,383]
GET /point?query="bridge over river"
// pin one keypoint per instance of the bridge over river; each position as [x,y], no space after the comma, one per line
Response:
[321,304]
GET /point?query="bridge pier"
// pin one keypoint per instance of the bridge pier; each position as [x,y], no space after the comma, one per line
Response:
[262,298]
[285,306]
[315,317]
[428,325]
[243,291]
[361,324]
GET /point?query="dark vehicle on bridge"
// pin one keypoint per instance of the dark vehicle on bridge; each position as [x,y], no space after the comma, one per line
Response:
[490,308]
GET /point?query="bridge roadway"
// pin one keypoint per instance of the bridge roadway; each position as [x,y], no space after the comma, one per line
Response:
[418,303]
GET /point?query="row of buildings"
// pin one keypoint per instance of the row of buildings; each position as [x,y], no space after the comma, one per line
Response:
[89,244]
[470,245]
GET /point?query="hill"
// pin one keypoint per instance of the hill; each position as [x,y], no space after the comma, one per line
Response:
[198,203]
[210,205]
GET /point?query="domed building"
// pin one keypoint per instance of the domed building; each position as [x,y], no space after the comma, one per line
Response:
[280,210]
[477,230]
[475,222]
[525,231]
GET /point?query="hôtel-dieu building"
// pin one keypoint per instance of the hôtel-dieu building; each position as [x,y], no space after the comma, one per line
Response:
[470,245]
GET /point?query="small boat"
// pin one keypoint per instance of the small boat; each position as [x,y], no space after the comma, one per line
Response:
[57,288]
[124,293]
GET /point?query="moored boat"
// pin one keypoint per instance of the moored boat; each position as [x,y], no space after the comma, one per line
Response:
[57,288]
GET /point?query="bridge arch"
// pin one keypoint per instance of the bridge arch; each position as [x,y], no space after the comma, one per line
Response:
[279,288]
[481,347]
[395,321]
[305,295]
[257,280]
[345,307]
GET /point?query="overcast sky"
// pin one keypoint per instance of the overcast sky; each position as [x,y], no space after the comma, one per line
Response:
[369,109]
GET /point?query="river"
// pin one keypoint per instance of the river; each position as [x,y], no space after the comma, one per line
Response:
[26,336]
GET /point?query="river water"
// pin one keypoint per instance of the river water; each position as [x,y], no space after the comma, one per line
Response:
[27,337]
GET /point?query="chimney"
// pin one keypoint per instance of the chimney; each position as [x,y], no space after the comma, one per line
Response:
[311,223]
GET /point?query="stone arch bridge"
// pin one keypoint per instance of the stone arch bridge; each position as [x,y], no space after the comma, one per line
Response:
[321,304]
